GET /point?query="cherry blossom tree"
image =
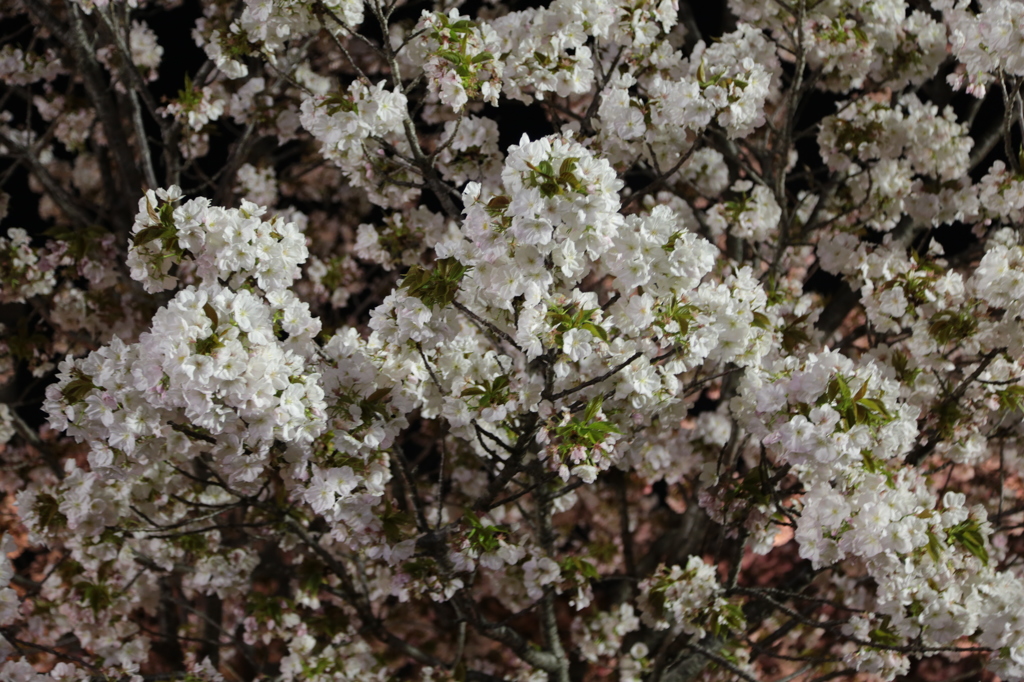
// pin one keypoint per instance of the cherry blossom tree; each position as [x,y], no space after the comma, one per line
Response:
[599,340]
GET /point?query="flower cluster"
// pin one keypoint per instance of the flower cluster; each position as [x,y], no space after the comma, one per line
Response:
[232,363]
[906,158]
[687,599]
[18,67]
[23,273]
[839,426]
[602,636]
[346,123]
[272,24]
[726,83]
[214,244]
[214,360]
[753,214]
[462,63]
[986,42]
[733,332]
[8,597]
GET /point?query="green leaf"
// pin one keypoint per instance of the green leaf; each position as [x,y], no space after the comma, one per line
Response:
[950,326]
[97,596]
[148,234]
[573,566]
[392,523]
[265,606]
[437,287]
[588,569]
[453,57]
[975,547]
[596,330]
[670,245]
[482,57]
[166,214]
[212,314]
[762,321]
[884,637]
[311,578]
[792,337]
[968,535]
[336,103]
[485,538]
[78,388]
[874,405]
[844,388]
[949,414]
[48,512]
[208,345]
[379,395]
[599,430]
[549,189]
[188,96]
[194,543]
[934,547]
[498,203]
[861,392]
[60,232]
[1011,397]
[568,165]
